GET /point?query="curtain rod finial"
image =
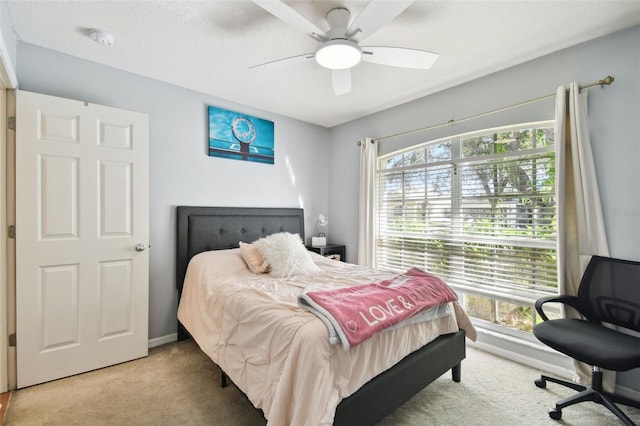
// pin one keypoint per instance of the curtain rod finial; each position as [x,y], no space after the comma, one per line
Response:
[607,80]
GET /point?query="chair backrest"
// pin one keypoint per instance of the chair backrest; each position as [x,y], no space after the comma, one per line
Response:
[610,292]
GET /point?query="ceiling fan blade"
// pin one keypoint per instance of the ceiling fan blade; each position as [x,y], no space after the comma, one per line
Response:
[374,16]
[282,11]
[399,57]
[284,61]
[341,80]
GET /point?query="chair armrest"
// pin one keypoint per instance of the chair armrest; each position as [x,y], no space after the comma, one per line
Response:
[567,300]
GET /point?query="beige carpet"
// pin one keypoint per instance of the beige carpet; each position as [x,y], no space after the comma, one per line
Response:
[178,385]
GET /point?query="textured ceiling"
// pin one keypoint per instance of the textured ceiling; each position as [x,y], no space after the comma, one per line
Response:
[208,46]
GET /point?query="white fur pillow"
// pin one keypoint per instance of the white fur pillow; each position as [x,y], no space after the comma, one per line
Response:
[286,255]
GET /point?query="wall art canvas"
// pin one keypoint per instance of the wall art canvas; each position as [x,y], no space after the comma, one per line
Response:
[240,136]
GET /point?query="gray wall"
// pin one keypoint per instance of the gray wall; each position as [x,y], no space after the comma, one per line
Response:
[614,129]
[181,172]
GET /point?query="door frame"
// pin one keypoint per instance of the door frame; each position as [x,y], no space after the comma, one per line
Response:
[8,82]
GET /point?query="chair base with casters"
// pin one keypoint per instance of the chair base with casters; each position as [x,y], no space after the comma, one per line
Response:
[608,304]
[594,393]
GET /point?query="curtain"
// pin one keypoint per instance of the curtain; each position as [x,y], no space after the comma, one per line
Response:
[581,232]
[366,215]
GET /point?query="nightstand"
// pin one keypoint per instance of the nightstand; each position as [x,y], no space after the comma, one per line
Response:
[330,250]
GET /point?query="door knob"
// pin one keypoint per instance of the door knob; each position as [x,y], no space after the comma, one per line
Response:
[140,247]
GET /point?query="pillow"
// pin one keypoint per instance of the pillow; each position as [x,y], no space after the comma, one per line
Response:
[286,255]
[226,264]
[253,258]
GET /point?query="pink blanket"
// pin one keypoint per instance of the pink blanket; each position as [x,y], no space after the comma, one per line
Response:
[353,314]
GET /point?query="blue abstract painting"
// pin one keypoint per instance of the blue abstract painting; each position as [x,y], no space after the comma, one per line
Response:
[240,136]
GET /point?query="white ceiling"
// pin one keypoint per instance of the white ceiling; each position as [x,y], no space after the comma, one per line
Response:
[208,46]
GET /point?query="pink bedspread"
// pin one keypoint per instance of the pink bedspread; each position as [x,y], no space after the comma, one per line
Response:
[278,353]
[356,313]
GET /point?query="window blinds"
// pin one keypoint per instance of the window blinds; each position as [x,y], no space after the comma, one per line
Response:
[478,209]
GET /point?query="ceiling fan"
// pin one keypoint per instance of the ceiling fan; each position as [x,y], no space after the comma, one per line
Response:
[340,49]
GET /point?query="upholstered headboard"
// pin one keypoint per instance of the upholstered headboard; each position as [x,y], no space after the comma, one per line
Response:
[216,228]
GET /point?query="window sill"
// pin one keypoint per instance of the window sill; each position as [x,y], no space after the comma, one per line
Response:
[521,347]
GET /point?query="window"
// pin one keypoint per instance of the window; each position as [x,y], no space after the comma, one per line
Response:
[479,210]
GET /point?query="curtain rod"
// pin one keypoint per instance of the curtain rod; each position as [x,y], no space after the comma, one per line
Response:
[605,81]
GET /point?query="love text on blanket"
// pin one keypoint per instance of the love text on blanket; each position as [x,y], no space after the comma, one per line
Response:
[357,312]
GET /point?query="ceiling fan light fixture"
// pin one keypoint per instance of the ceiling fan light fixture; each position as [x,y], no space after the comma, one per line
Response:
[339,54]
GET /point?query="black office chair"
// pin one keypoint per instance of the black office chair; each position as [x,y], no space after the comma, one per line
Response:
[609,293]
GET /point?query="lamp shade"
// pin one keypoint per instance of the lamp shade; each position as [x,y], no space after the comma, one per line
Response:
[323,220]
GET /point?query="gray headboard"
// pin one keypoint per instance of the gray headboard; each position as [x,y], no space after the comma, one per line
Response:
[216,228]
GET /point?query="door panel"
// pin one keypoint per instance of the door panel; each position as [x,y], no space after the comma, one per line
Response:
[116,289]
[59,295]
[82,207]
[115,199]
[58,197]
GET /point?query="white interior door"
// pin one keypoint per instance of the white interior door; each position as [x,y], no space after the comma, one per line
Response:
[82,204]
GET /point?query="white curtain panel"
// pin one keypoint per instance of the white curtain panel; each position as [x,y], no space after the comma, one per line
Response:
[581,232]
[367,202]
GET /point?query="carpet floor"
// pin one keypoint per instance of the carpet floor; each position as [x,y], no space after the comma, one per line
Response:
[178,385]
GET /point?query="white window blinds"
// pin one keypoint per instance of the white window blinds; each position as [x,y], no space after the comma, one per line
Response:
[477,209]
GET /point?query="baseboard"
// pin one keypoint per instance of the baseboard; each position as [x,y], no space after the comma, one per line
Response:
[157,341]
[628,392]
[523,351]
[523,359]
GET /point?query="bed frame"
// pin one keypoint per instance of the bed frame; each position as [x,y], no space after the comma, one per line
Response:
[216,228]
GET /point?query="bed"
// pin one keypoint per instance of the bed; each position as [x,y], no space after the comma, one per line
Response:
[208,229]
